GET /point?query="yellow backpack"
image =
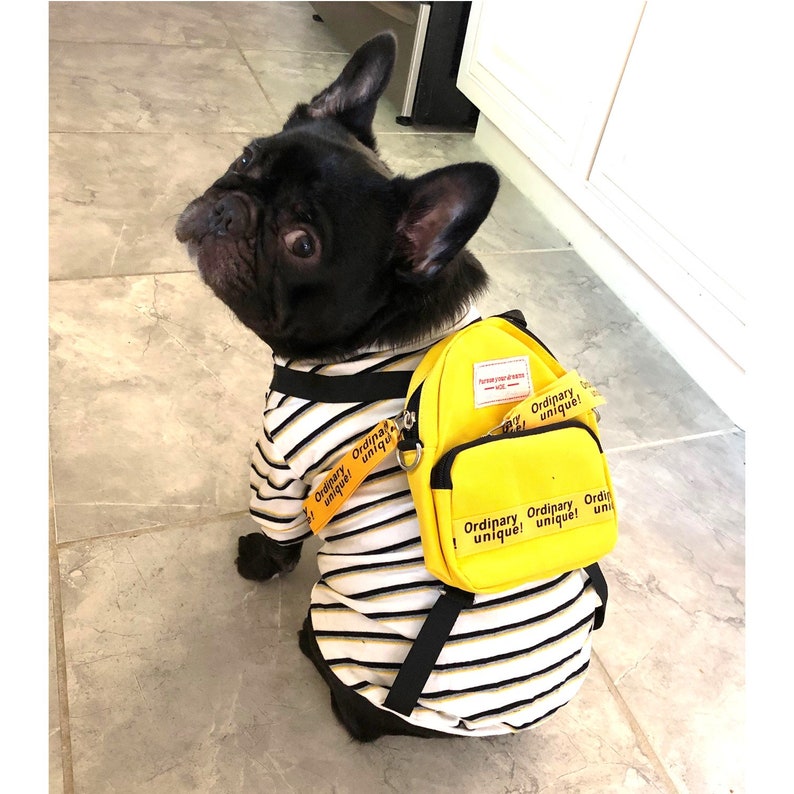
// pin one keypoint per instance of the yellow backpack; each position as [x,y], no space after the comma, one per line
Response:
[504,461]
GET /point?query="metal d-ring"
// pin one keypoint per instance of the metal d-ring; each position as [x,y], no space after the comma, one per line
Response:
[401,458]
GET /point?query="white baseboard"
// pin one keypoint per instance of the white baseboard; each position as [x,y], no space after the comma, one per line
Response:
[705,361]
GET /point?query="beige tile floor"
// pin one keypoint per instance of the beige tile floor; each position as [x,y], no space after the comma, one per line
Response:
[169,673]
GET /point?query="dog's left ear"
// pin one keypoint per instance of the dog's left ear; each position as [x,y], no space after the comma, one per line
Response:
[441,212]
[353,96]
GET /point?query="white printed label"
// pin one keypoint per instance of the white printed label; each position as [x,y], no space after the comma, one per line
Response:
[503,380]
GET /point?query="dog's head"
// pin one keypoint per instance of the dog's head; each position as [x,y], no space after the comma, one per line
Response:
[318,248]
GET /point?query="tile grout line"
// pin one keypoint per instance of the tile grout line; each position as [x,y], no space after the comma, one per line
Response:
[134,533]
[102,276]
[664,442]
[247,64]
[642,740]
[60,651]
[185,46]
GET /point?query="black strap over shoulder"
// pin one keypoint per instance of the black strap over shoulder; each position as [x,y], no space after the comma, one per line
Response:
[423,654]
[600,584]
[364,387]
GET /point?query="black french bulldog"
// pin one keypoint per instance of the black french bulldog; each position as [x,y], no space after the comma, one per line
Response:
[323,253]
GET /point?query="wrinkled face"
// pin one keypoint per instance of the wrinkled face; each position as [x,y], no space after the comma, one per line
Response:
[297,236]
[318,249]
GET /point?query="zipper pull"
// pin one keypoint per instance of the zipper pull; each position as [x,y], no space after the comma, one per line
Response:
[405,421]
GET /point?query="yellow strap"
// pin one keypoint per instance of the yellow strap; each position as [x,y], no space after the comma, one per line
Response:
[326,500]
[565,398]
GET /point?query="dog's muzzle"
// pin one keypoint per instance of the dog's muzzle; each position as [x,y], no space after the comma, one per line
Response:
[227,214]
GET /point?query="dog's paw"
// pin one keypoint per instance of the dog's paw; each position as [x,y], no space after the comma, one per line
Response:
[260,558]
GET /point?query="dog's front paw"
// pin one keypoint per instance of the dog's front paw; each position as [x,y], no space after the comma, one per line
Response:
[260,558]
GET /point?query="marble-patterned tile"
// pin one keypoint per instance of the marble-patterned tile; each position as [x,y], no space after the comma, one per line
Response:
[114,199]
[277,26]
[107,87]
[291,77]
[184,677]
[674,638]
[195,24]
[155,392]
[649,396]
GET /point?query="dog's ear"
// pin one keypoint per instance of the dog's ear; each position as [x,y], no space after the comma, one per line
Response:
[353,96]
[441,212]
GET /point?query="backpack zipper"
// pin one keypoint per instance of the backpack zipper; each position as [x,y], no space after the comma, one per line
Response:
[410,417]
[441,475]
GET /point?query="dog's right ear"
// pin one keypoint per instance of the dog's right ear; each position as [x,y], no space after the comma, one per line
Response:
[441,211]
[353,96]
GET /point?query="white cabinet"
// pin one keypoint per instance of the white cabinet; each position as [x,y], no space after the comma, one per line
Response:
[668,161]
[638,113]
[546,70]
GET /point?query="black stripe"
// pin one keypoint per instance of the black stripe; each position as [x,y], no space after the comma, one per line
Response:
[544,716]
[369,505]
[503,657]
[271,519]
[528,701]
[334,420]
[292,417]
[506,682]
[521,595]
[269,482]
[303,408]
[394,471]
[357,634]
[406,587]
[399,563]
[322,464]
[403,544]
[380,525]
[279,498]
[271,464]
[471,663]
[344,660]
[337,607]
[521,623]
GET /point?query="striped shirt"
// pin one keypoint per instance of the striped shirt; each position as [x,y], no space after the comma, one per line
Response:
[513,658]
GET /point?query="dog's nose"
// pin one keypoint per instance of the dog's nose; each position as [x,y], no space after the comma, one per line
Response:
[229,216]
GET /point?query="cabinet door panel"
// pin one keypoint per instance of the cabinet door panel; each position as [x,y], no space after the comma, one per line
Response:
[669,160]
[545,71]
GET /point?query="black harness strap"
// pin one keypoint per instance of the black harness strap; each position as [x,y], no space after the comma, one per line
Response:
[600,585]
[423,654]
[364,387]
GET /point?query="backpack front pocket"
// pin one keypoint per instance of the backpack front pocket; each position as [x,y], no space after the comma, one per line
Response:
[525,505]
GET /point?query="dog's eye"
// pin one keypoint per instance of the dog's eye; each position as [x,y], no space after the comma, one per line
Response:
[244,160]
[300,243]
